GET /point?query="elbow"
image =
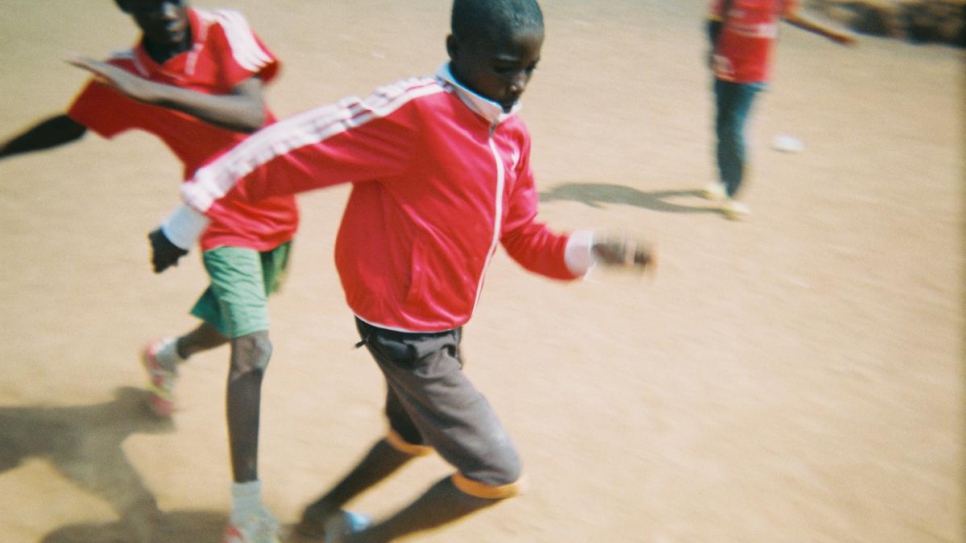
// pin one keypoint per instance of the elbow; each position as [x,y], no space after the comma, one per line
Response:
[253,122]
[76,132]
[244,121]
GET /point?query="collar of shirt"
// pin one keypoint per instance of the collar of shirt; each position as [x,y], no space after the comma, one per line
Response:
[486,108]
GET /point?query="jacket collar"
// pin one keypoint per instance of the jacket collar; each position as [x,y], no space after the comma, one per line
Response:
[486,108]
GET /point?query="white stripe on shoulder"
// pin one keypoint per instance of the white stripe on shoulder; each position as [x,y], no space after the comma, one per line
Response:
[308,128]
[241,39]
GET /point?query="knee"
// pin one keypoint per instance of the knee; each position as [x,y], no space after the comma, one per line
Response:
[251,353]
[729,131]
[499,477]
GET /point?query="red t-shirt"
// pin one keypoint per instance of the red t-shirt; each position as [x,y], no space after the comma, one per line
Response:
[744,46]
[225,52]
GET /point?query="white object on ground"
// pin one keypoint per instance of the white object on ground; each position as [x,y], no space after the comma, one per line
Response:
[787,144]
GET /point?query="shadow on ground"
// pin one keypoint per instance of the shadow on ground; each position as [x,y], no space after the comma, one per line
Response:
[174,527]
[83,443]
[597,194]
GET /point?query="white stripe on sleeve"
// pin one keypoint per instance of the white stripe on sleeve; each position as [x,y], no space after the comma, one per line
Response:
[308,128]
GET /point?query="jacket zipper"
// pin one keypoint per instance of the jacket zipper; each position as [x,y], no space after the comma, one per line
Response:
[498,210]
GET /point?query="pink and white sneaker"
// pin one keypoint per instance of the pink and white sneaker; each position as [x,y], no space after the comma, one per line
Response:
[259,527]
[161,379]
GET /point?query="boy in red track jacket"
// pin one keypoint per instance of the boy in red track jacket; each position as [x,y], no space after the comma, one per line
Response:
[441,175]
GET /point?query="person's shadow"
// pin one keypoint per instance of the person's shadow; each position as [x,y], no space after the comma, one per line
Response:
[173,527]
[84,444]
[596,194]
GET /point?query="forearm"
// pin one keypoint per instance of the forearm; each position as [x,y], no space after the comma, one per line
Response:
[808,24]
[308,151]
[50,133]
[542,251]
[240,110]
[575,255]
[235,112]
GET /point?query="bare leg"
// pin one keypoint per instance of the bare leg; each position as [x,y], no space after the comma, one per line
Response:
[161,358]
[381,462]
[249,357]
[202,338]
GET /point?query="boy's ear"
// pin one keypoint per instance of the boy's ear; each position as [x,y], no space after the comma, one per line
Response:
[125,5]
[452,46]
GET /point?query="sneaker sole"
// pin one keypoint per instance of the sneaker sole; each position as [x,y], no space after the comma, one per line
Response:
[732,215]
[713,196]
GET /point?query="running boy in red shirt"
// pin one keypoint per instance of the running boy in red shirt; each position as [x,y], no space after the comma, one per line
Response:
[195,80]
[743,34]
[441,175]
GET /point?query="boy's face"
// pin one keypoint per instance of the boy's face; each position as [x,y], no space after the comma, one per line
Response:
[164,22]
[496,67]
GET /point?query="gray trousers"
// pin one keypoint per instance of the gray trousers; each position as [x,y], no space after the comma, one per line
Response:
[431,402]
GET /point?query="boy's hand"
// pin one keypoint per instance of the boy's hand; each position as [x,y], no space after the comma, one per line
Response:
[624,253]
[164,254]
[124,82]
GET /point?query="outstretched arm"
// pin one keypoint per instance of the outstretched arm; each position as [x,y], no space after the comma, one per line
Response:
[800,20]
[243,110]
[53,132]
[353,140]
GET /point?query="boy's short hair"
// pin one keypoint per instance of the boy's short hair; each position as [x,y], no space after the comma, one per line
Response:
[473,19]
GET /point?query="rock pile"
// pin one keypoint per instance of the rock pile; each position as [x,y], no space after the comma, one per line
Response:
[921,21]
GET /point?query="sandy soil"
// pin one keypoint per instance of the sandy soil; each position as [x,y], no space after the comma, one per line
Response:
[795,378]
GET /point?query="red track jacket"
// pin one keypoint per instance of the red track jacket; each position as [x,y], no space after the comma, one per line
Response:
[440,176]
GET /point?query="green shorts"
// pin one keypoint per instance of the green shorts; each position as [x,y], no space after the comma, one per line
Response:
[236,302]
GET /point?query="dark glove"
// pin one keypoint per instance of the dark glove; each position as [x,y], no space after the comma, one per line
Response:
[164,254]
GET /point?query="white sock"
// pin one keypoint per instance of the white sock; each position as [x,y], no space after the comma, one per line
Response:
[246,499]
[168,354]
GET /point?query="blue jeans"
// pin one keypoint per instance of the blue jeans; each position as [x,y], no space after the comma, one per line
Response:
[733,101]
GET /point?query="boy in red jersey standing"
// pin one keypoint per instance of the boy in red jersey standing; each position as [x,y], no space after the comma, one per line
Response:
[441,176]
[743,34]
[195,80]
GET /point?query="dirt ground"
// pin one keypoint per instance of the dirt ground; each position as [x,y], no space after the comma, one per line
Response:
[794,378]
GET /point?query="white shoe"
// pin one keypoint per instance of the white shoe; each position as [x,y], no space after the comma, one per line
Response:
[260,527]
[715,191]
[735,210]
